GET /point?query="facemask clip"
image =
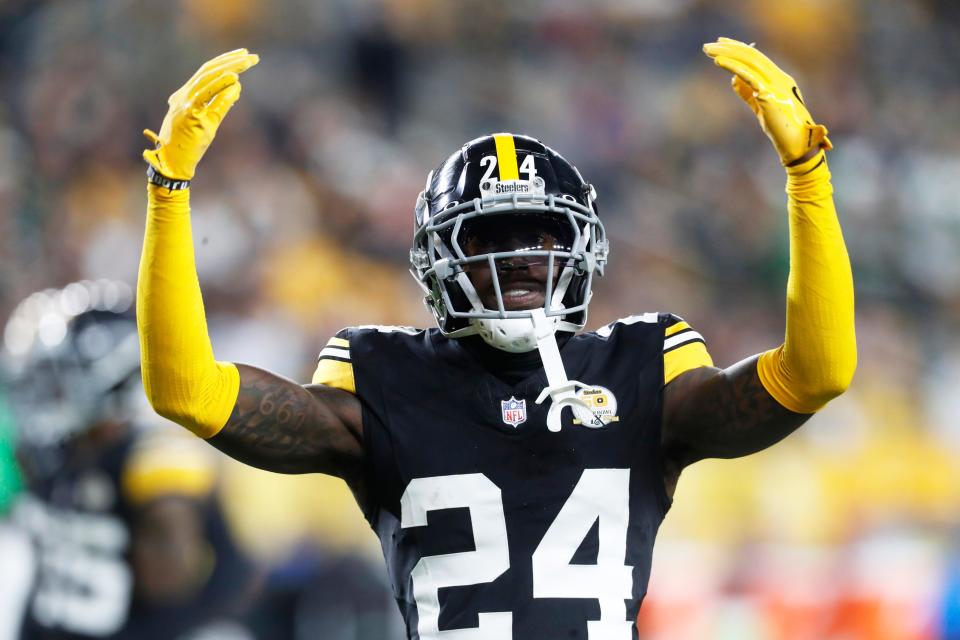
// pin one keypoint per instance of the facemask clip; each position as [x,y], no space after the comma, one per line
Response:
[561,391]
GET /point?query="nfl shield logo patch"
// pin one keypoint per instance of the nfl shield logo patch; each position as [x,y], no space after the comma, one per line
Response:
[514,411]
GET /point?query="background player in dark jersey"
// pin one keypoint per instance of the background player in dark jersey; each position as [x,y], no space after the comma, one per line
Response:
[128,538]
[501,513]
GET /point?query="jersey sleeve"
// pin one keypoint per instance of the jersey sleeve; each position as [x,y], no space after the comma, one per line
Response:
[683,348]
[334,368]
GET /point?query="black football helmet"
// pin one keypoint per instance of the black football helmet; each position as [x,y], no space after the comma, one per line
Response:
[494,185]
[72,359]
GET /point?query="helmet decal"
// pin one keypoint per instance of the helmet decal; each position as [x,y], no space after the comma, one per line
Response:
[506,156]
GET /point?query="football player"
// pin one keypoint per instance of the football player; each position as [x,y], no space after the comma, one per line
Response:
[515,469]
[127,538]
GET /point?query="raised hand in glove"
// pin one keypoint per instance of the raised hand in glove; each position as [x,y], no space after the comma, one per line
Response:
[196,111]
[774,98]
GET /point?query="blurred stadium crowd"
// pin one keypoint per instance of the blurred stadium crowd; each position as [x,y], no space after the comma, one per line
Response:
[302,219]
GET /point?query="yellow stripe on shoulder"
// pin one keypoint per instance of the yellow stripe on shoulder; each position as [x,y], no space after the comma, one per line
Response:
[675,328]
[506,156]
[691,355]
[336,374]
[338,342]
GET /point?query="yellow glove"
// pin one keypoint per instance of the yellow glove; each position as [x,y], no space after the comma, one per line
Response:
[774,97]
[196,111]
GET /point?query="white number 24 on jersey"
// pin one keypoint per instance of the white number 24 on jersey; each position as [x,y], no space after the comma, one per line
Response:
[600,494]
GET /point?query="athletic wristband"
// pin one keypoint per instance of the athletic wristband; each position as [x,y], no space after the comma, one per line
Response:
[153,177]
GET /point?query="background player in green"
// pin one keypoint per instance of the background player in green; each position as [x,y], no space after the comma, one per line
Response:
[562,508]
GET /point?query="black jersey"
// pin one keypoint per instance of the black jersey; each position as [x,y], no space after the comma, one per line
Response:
[490,524]
[80,517]
[77,519]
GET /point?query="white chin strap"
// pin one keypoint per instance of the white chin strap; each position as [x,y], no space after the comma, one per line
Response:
[563,392]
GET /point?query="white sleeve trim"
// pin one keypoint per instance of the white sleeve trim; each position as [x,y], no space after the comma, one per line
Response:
[651,317]
[681,338]
[336,352]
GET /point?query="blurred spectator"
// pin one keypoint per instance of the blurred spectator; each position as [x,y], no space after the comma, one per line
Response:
[950,604]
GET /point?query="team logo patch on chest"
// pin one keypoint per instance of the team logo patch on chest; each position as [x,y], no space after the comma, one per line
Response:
[514,412]
[602,404]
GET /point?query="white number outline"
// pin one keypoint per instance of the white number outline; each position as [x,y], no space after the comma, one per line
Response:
[84,584]
[600,494]
[490,559]
[492,161]
[604,495]
[528,167]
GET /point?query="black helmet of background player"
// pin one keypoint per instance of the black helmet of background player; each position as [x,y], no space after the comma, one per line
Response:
[72,360]
[493,186]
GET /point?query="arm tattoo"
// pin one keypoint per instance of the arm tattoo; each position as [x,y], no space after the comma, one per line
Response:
[281,426]
[722,413]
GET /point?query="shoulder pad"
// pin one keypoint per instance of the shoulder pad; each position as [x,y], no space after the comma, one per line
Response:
[649,318]
[387,328]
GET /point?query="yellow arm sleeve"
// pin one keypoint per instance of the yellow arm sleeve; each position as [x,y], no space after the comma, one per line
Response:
[182,380]
[817,359]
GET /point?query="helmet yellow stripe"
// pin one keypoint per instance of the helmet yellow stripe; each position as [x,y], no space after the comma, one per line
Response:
[506,156]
